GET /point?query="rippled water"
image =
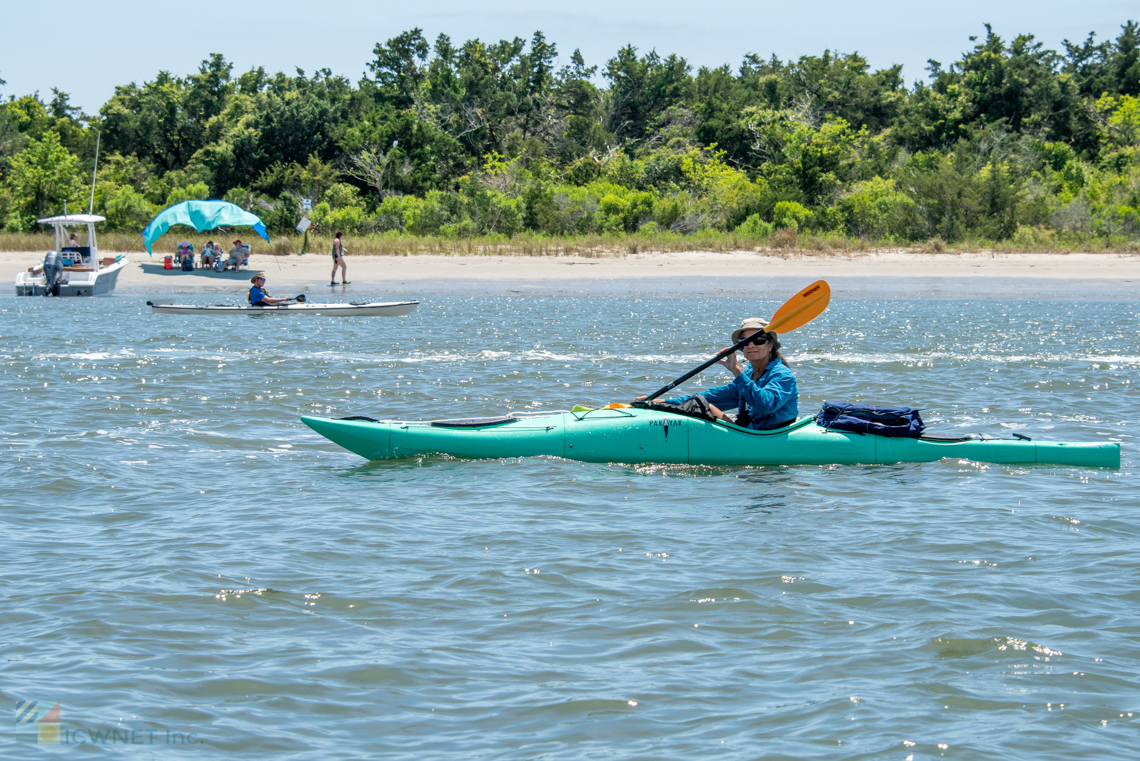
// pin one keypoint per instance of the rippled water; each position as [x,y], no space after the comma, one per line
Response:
[183,558]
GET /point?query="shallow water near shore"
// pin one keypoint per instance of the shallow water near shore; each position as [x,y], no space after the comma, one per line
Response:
[184,558]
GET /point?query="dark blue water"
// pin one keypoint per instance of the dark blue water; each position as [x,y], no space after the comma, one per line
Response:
[185,561]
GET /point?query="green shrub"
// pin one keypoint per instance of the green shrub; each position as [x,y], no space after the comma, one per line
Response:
[342,194]
[198,191]
[875,209]
[347,219]
[1034,239]
[127,209]
[784,238]
[791,215]
[667,211]
[754,228]
[463,229]
[423,216]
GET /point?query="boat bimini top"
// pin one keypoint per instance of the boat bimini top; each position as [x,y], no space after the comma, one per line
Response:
[60,225]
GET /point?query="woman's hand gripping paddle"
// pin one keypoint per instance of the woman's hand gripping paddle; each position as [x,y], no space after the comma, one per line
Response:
[796,312]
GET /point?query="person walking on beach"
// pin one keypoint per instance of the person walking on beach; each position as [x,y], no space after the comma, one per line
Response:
[338,259]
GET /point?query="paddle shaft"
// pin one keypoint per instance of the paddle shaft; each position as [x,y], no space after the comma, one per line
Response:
[719,356]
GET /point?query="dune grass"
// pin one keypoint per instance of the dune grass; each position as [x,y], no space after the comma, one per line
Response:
[780,243]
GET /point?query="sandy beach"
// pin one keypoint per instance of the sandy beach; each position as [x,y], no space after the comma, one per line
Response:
[899,275]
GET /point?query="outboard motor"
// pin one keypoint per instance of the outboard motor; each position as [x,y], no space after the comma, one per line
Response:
[53,273]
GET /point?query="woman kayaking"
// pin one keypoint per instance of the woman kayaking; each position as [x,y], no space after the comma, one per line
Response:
[766,396]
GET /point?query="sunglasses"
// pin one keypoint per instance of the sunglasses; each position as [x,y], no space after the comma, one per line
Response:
[757,339]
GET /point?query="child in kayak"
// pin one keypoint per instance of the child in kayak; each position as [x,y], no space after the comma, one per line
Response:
[766,396]
[259,297]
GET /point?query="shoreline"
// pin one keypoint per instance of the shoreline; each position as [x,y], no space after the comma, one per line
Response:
[862,275]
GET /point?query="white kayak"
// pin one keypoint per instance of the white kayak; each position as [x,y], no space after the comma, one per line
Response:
[354,309]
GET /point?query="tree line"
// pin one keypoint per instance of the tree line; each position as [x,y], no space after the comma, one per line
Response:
[1011,141]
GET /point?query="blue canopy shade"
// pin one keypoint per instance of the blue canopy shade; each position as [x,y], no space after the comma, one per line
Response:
[201,215]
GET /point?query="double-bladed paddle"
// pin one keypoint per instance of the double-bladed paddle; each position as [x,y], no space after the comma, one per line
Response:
[796,312]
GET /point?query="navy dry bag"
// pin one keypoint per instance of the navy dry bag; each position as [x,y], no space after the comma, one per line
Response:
[870,418]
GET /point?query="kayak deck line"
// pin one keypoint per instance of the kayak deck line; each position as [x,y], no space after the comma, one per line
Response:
[436,423]
[637,436]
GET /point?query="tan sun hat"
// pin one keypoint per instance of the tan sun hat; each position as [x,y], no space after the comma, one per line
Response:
[258,275]
[750,323]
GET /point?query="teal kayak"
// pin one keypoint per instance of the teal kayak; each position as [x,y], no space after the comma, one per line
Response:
[652,436]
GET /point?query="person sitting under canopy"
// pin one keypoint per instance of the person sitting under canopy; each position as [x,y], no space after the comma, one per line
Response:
[237,256]
[210,254]
[186,255]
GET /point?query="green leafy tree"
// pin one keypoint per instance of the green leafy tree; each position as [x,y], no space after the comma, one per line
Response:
[42,178]
[124,207]
[999,196]
[399,67]
[877,209]
[718,99]
[805,163]
[842,86]
[12,141]
[30,115]
[789,214]
[1106,68]
[198,191]
[1010,141]
[641,87]
[754,227]
[932,118]
[1017,84]
[1119,130]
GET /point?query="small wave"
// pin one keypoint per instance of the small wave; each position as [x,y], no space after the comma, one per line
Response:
[534,355]
[902,358]
[89,355]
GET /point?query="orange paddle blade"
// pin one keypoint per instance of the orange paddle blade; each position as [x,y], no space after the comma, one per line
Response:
[801,309]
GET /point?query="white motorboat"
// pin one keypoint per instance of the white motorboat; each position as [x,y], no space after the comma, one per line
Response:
[72,270]
[354,309]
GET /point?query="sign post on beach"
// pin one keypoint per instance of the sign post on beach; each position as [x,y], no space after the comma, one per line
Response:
[303,225]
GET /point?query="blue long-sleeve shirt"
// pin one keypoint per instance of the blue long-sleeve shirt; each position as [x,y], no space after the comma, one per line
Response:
[771,398]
